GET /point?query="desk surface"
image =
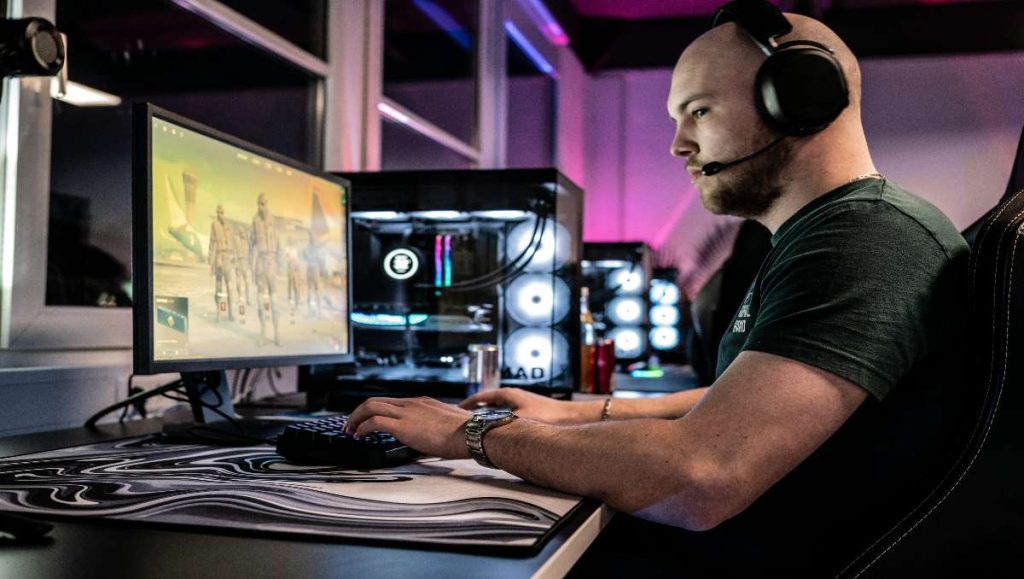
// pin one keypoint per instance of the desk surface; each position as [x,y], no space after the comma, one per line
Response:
[121,549]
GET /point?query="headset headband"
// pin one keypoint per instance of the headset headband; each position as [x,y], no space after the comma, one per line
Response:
[761,20]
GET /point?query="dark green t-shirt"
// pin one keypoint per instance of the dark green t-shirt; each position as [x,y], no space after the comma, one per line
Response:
[855,284]
[867,282]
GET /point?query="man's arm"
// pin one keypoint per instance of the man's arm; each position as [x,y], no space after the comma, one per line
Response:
[759,420]
[538,407]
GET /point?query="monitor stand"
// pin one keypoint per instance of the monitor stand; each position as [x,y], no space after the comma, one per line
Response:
[215,421]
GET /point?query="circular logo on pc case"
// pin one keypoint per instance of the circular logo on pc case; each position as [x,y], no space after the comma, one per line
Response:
[401,263]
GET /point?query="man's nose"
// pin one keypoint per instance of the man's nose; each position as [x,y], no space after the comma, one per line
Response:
[678,151]
[681,146]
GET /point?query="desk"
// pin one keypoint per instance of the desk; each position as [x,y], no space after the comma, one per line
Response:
[117,549]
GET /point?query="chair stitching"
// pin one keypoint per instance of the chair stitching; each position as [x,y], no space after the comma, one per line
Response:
[988,387]
[999,393]
[986,227]
[967,446]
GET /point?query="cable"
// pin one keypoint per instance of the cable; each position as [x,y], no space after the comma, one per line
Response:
[221,436]
[124,413]
[166,391]
[470,285]
[533,248]
[175,385]
[537,225]
[175,398]
[485,280]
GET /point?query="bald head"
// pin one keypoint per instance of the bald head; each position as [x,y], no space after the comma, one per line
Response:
[805,28]
[729,54]
[712,103]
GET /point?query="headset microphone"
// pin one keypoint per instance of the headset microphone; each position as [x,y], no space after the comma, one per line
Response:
[716,167]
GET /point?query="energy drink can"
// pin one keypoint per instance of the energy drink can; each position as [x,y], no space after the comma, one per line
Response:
[482,368]
[604,366]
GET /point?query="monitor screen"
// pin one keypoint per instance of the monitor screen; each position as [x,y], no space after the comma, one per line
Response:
[241,255]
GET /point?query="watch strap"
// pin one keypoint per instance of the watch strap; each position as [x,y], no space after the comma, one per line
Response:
[475,429]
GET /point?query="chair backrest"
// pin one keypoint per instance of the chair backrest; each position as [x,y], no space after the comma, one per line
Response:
[972,522]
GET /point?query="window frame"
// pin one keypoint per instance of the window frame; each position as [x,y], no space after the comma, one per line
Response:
[348,122]
[26,322]
[488,149]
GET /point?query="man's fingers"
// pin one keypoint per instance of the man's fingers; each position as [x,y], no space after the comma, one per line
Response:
[377,423]
[370,408]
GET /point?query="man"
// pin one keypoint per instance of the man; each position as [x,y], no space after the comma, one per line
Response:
[222,265]
[265,251]
[834,400]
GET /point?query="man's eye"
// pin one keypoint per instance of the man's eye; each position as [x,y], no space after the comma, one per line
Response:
[699,113]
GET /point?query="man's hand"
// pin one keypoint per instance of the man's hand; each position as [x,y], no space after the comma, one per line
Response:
[536,407]
[431,427]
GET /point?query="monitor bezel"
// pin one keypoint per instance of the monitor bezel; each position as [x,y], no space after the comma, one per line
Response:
[142,244]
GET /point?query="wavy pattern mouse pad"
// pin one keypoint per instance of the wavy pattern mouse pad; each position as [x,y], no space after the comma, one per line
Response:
[433,501]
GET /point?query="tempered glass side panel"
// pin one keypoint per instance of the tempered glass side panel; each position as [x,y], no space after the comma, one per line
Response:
[451,258]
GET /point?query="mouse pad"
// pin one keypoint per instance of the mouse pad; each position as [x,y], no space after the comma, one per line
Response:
[252,489]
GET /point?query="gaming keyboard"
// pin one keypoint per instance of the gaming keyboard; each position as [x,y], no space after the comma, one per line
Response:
[324,442]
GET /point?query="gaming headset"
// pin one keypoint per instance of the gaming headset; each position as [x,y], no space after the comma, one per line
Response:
[800,88]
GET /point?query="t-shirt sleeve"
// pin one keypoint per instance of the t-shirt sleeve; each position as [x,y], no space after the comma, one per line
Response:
[860,298]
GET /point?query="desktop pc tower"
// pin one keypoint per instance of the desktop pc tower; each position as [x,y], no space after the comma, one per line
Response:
[668,315]
[619,276]
[446,259]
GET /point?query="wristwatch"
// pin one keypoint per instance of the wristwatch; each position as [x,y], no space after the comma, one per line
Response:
[478,425]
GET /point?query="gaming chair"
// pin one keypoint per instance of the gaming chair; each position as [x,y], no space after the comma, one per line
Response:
[972,522]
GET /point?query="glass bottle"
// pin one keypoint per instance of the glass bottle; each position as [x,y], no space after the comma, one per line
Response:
[588,343]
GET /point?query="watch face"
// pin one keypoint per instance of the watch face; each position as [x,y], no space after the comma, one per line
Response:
[489,415]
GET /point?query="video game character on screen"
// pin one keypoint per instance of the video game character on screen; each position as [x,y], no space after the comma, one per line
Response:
[276,242]
[222,264]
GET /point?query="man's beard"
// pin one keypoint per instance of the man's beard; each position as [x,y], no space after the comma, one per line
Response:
[750,189]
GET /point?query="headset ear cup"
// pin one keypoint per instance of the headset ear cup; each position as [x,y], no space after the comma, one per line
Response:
[800,90]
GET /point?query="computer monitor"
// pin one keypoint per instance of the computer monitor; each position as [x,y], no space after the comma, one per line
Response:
[240,258]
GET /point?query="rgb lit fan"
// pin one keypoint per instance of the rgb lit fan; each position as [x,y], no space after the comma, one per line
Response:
[552,252]
[536,299]
[625,310]
[627,280]
[664,315]
[664,292]
[629,341]
[536,353]
[664,338]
